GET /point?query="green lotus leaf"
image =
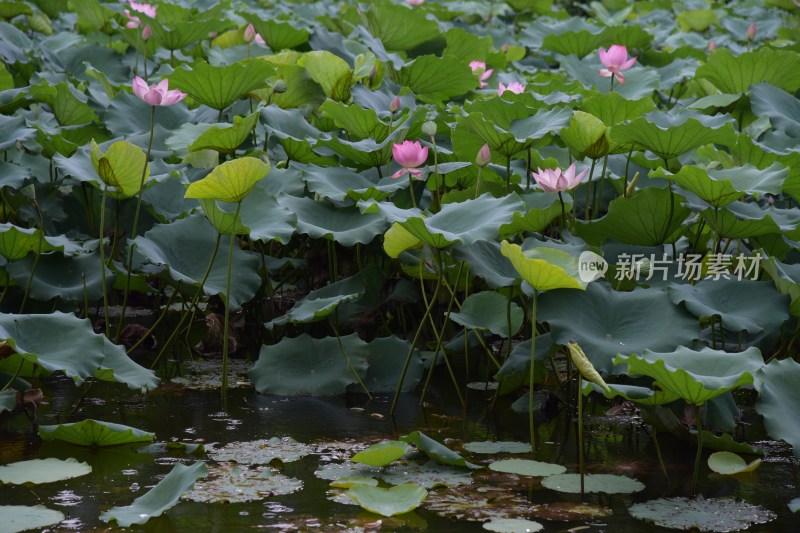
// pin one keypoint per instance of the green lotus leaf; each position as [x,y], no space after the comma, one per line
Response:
[320,303]
[24,518]
[581,43]
[515,371]
[178,34]
[381,454]
[118,367]
[526,467]
[92,16]
[345,225]
[486,260]
[734,74]
[612,322]
[9,10]
[435,450]
[633,393]
[278,35]
[786,278]
[512,525]
[266,219]
[70,278]
[301,89]
[715,101]
[544,268]
[232,181]
[39,471]
[487,311]
[730,464]
[340,184]
[782,109]
[467,47]
[669,136]
[391,501]
[398,27]
[644,219]
[13,131]
[397,240]
[713,514]
[742,305]
[698,20]
[304,365]
[352,481]
[739,220]
[466,222]
[225,221]
[364,153]
[17,242]
[604,483]
[67,104]
[485,130]
[540,210]
[586,136]
[387,356]
[185,248]
[121,166]
[94,433]
[436,79]
[778,399]
[161,498]
[330,71]
[612,108]
[640,81]
[696,376]
[39,347]
[219,87]
[226,139]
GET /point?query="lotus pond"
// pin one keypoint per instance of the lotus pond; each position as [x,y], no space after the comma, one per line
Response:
[508,266]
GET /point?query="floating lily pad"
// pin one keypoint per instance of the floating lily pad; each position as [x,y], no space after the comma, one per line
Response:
[262,452]
[207,374]
[160,498]
[334,471]
[352,481]
[435,450]
[526,467]
[729,463]
[23,518]
[428,475]
[391,501]
[512,525]
[381,454]
[714,514]
[605,483]
[230,483]
[492,447]
[42,471]
[94,433]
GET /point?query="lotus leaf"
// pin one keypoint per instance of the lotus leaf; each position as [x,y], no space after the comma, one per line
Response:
[487,311]
[512,525]
[544,268]
[713,514]
[22,518]
[391,501]
[525,467]
[435,450]
[226,139]
[219,87]
[493,447]
[229,483]
[39,471]
[381,454]
[733,74]
[729,463]
[776,383]
[605,483]
[94,433]
[261,452]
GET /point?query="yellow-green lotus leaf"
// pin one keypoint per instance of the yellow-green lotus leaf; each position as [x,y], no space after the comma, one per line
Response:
[544,268]
[398,239]
[232,181]
[121,166]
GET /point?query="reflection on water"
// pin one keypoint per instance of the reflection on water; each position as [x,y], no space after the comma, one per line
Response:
[615,445]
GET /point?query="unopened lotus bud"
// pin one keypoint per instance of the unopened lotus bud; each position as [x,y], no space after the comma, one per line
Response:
[484,156]
[429,128]
[147,32]
[279,87]
[712,46]
[373,73]
[632,185]
[504,48]
[249,33]
[394,105]
[751,31]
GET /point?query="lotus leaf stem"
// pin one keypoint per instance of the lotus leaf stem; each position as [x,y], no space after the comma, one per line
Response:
[531,421]
[225,333]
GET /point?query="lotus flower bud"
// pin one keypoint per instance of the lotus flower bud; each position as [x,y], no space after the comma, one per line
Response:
[484,156]
[585,366]
[249,33]
[429,128]
[279,87]
[751,31]
[394,105]
[712,46]
[147,32]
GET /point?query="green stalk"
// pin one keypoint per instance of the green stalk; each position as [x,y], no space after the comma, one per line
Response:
[225,335]
[102,256]
[531,422]
[36,258]
[699,454]
[508,174]
[478,183]
[158,320]
[596,201]
[346,358]
[581,464]
[589,186]
[563,213]
[414,342]
[411,190]
[136,223]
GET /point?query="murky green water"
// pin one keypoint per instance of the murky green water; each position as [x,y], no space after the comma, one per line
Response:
[120,474]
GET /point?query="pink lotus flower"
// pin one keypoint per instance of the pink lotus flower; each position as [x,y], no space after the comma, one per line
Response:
[133,20]
[409,155]
[415,2]
[250,35]
[484,156]
[147,32]
[157,94]
[553,180]
[479,68]
[751,31]
[615,60]
[514,87]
